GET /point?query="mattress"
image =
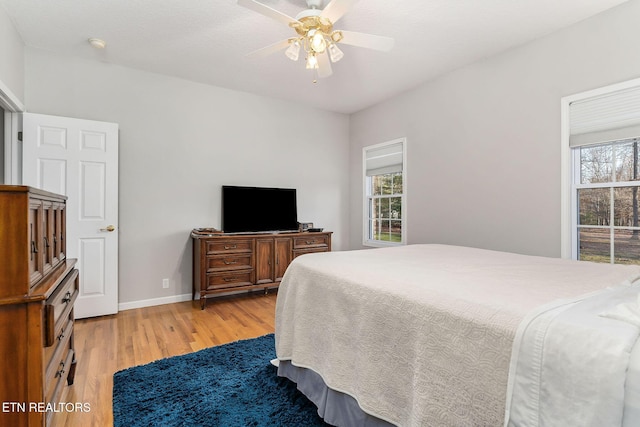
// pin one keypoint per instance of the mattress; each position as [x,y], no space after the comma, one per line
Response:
[424,334]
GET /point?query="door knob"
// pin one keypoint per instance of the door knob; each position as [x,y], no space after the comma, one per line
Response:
[109,228]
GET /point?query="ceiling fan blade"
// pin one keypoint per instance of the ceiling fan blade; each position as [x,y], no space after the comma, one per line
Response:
[336,9]
[267,11]
[324,65]
[268,50]
[369,41]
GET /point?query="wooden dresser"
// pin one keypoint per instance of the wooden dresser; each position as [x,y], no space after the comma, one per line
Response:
[38,287]
[225,263]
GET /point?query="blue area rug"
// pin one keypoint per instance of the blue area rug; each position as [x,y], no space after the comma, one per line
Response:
[228,385]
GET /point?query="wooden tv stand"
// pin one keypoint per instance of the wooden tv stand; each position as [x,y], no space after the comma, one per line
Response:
[224,263]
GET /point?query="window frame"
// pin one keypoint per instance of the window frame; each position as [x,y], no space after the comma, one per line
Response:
[611,185]
[569,169]
[367,197]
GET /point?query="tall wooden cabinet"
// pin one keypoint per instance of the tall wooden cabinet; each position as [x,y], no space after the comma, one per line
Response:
[225,263]
[38,288]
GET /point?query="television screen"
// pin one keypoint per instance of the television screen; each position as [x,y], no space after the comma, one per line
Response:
[256,209]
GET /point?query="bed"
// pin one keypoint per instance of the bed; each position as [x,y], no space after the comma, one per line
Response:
[436,335]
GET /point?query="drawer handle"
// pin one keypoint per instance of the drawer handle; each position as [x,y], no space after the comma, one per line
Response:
[230,262]
[67,298]
[46,242]
[310,242]
[230,279]
[61,336]
[61,371]
[227,247]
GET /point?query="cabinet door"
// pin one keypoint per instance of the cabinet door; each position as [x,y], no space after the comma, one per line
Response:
[55,233]
[62,233]
[283,256]
[47,236]
[35,245]
[264,261]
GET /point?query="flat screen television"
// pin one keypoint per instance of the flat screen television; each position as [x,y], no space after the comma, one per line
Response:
[258,209]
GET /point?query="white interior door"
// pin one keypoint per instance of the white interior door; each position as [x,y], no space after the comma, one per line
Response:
[79,158]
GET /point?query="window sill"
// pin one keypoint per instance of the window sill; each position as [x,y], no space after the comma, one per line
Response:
[381,243]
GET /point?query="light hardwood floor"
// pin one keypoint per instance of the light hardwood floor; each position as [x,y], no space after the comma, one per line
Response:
[105,345]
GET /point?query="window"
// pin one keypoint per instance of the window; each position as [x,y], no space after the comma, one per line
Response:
[603,142]
[606,195]
[385,193]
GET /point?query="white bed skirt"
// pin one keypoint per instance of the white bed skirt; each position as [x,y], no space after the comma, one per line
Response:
[335,408]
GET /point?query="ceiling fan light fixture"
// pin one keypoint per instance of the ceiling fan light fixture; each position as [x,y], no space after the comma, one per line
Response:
[335,54]
[317,41]
[312,61]
[293,51]
[315,36]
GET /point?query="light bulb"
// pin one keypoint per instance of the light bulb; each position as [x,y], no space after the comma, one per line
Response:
[293,51]
[312,61]
[335,53]
[316,39]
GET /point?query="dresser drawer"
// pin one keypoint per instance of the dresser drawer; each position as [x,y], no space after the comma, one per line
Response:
[62,337]
[299,252]
[228,246]
[311,241]
[228,262]
[56,363]
[55,387]
[58,306]
[229,279]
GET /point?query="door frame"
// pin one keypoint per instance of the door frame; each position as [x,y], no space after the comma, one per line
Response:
[83,164]
[12,150]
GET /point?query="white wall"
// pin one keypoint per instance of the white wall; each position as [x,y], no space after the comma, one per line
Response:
[483,147]
[11,58]
[484,141]
[11,96]
[179,143]
[1,150]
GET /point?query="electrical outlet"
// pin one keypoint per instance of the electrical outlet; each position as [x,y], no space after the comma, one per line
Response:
[165,283]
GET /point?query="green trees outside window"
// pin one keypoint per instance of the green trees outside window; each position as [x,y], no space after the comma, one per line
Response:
[607,198]
[385,210]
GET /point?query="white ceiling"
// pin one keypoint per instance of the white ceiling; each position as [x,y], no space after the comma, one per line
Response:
[206,40]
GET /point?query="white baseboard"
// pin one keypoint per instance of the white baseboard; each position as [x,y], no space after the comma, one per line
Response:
[155,301]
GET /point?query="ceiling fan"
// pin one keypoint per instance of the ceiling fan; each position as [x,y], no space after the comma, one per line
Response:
[315,34]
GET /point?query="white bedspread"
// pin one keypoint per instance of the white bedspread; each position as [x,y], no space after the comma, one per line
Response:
[422,335]
[570,362]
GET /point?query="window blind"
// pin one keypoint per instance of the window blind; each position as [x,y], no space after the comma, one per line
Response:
[385,159]
[611,117]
